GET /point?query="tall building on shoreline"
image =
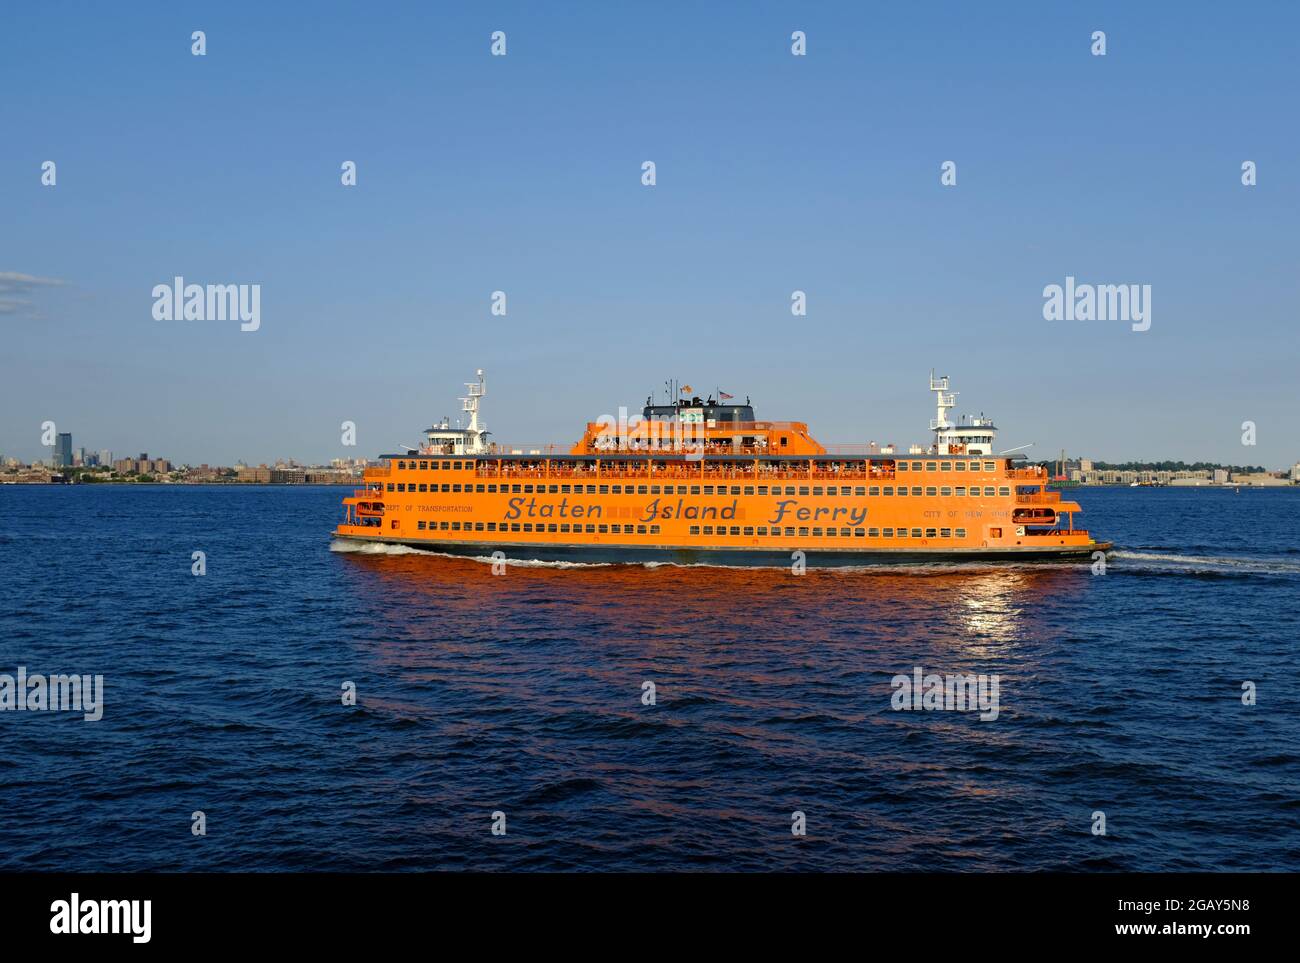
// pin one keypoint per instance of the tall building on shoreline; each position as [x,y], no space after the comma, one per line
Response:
[63,450]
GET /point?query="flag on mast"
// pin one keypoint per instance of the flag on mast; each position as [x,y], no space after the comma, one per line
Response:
[724,396]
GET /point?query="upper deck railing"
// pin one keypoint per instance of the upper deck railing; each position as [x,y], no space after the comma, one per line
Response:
[1040,498]
[687,471]
[671,435]
[762,471]
[722,427]
[727,461]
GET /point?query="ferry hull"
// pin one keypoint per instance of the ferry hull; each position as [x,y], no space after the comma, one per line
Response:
[818,557]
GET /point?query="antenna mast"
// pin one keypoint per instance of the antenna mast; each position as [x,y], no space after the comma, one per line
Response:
[944,401]
[476,390]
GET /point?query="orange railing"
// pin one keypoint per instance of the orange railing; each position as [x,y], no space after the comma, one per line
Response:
[1039,498]
[689,471]
[652,469]
[721,425]
[495,448]
[872,450]
[711,448]
[685,434]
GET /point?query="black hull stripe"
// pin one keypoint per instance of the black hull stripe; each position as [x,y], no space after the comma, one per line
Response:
[816,557]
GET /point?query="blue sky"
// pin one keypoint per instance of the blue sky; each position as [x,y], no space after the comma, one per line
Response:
[522,173]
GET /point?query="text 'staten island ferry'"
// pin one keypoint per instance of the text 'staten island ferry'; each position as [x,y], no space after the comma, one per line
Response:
[702,481]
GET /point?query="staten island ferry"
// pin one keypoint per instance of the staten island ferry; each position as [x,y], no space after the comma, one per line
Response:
[703,481]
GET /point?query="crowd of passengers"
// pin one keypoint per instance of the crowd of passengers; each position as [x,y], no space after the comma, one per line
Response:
[794,466]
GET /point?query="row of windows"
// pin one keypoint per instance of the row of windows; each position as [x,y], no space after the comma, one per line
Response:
[751,530]
[988,491]
[778,532]
[434,465]
[404,487]
[563,528]
[947,466]
[760,530]
[931,491]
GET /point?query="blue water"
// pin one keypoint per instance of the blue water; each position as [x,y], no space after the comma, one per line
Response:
[522,693]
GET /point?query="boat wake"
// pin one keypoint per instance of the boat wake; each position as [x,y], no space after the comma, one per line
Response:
[1212,564]
[882,568]
[375,548]
[1123,560]
[381,548]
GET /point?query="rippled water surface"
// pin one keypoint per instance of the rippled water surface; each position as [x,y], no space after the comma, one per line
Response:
[522,694]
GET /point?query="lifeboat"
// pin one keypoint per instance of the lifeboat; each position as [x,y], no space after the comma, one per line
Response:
[1033,516]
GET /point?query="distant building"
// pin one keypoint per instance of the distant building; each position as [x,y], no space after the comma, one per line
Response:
[1112,476]
[1220,476]
[105,456]
[1085,464]
[262,475]
[1295,472]
[63,450]
[204,472]
[1260,479]
[257,476]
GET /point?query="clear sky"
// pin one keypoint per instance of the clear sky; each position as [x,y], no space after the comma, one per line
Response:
[522,173]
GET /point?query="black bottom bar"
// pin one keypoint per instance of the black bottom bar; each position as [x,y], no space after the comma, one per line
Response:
[330,911]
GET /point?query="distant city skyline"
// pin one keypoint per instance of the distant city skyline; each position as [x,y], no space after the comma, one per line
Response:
[104,457]
[776,175]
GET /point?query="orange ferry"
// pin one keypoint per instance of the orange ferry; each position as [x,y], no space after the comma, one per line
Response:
[703,481]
